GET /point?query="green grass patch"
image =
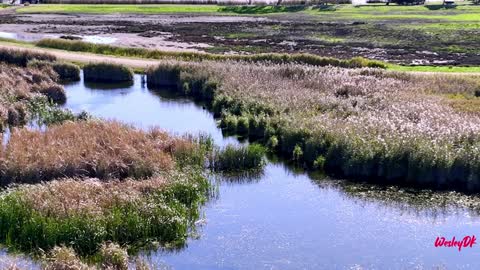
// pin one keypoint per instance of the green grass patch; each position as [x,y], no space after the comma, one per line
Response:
[454,69]
[241,35]
[465,102]
[112,8]
[329,39]
[258,10]
[395,12]
[443,26]
[238,158]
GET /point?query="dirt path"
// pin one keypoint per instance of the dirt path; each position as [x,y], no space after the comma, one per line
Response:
[88,57]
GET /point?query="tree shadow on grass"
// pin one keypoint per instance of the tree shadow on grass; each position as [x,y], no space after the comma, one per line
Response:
[438,7]
[262,9]
[324,8]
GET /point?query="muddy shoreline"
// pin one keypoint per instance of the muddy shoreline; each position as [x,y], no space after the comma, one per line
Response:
[290,33]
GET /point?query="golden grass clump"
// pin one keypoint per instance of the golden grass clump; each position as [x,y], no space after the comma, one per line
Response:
[65,258]
[92,149]
[74,196]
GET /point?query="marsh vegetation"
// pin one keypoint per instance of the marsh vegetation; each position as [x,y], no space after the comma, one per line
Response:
[107,72]
[365,124]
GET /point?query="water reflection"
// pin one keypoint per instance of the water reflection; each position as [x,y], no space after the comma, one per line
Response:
[144,108]
[38,36]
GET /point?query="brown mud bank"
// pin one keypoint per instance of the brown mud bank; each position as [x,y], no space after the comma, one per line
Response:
[248,34]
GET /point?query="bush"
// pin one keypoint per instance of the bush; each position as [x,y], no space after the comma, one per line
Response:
[107,72]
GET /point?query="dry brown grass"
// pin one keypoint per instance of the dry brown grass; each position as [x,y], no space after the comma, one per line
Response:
[365,123]
[92,149]
[66,197]
[19,86]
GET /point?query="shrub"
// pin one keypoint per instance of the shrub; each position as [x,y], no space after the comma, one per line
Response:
[67,71]
[17,114]
[46,113]
[272,142]
[107,72]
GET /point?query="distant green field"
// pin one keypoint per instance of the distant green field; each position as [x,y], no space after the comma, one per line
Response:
[108,9]
[453,69]
[464,13]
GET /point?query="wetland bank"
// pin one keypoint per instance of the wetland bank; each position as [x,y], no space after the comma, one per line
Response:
[248,222]
[212,161]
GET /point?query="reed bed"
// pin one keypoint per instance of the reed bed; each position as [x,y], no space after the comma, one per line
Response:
[365,124]
[99,149]
[111,256]
[22,57]
[20,87]
[84,213]
[237,158]
[303,58]
[65,71]
[107,72]
[79,184]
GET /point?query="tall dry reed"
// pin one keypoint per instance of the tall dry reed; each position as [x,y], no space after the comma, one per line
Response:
[90,148]
[364,124]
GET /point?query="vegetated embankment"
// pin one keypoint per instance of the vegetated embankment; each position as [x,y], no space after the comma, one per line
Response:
[301,58]
[363,124]
[99,182]
[86,187]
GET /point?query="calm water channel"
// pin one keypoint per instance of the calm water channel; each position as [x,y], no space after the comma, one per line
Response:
[285,219]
